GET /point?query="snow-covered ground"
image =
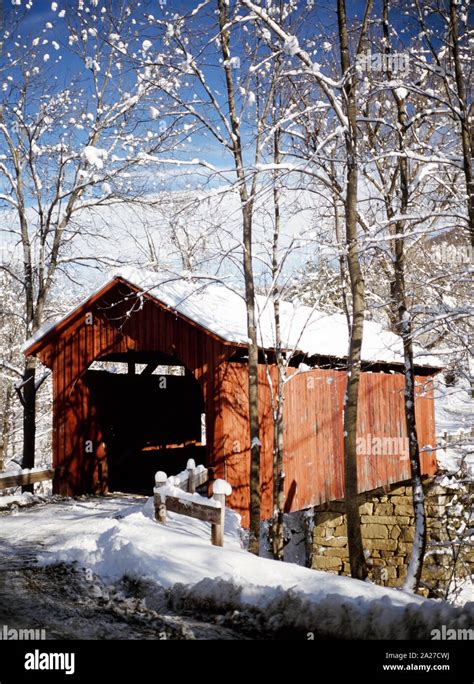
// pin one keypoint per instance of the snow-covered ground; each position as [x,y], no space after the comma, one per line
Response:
[454,405]
[9,501]
[113,537]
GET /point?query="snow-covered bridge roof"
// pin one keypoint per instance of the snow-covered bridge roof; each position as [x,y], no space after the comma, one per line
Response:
[219,309]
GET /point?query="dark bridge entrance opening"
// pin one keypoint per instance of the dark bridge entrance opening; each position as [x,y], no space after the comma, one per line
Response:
[150,412]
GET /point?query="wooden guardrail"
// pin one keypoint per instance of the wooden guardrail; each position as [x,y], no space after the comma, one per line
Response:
[189,504]
[25,478]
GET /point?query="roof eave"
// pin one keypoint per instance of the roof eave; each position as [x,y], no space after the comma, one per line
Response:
[39,344]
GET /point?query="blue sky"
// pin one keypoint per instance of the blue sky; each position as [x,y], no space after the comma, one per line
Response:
[43,21]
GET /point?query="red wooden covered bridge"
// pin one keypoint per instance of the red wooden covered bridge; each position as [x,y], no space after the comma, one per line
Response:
[152,369]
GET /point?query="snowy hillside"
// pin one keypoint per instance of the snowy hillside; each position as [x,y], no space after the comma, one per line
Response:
[182,230]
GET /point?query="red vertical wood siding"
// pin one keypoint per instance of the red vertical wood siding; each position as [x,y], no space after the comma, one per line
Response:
[313,435]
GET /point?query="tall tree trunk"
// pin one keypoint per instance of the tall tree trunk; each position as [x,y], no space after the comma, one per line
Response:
[278,536]
[29,390]
[357,559]
[29,417]
[404,328]
[246,203]
[354,536]
[4,435]
[255,444]
[341,259]
[465,117]
[415,567]
[29,377]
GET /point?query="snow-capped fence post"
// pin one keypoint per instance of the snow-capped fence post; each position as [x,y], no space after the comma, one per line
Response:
[220,489]
[160,503]
[191,467]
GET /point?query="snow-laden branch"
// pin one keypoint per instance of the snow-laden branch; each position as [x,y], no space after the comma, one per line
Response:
[327,85]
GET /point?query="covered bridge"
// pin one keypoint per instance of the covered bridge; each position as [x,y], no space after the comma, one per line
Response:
[152,369]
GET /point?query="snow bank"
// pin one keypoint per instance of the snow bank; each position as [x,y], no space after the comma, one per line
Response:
[20,500]
[454,405]
[330,615]
[462,592]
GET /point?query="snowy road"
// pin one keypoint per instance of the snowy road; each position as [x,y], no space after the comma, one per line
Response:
[69,604]
[57,600]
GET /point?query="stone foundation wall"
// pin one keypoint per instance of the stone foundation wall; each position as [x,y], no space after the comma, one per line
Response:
[388,529]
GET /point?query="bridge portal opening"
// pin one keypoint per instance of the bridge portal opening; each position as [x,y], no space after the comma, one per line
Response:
[149,410]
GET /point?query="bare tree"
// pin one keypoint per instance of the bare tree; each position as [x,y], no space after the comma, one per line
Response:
[66,148]
[354,537]
[445,36]
[246,198]
[345,110]
[406,142]
[233,119]
[464,112]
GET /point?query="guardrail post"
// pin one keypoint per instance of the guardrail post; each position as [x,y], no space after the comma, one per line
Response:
[160,502]
[220,489]
[191,468]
